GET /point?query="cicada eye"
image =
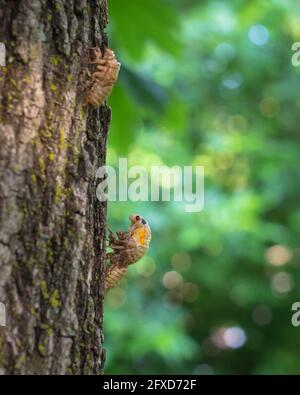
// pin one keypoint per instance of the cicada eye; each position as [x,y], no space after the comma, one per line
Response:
[137,218]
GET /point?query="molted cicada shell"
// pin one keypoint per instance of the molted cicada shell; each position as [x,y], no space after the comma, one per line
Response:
[103,78]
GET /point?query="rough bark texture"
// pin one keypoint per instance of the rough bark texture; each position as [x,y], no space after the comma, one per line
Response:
[52,228]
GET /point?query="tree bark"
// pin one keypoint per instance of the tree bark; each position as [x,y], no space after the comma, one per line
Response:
[52,227]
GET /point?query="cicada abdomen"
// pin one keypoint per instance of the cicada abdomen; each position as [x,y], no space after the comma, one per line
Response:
[114,275]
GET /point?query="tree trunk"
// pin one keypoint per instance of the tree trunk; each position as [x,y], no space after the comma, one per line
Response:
[52,228]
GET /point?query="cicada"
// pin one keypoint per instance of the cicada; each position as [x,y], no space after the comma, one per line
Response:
[103,78]
[128,247]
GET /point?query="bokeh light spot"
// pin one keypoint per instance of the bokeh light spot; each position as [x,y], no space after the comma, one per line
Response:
[282,282]
[258,34]
[269,107]
[278,255]
[231,337]
[233,81]
[234,337]
[262,315]
[237,123]
[172,279]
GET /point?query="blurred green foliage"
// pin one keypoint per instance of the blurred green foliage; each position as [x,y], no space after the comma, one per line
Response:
[209,83]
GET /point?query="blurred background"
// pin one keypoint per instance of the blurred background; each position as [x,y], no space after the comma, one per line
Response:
[209,83]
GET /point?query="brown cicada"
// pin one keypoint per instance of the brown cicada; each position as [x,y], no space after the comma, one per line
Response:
[103,77]
[127,247]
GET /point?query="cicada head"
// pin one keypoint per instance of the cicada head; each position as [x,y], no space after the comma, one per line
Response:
[136,219]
